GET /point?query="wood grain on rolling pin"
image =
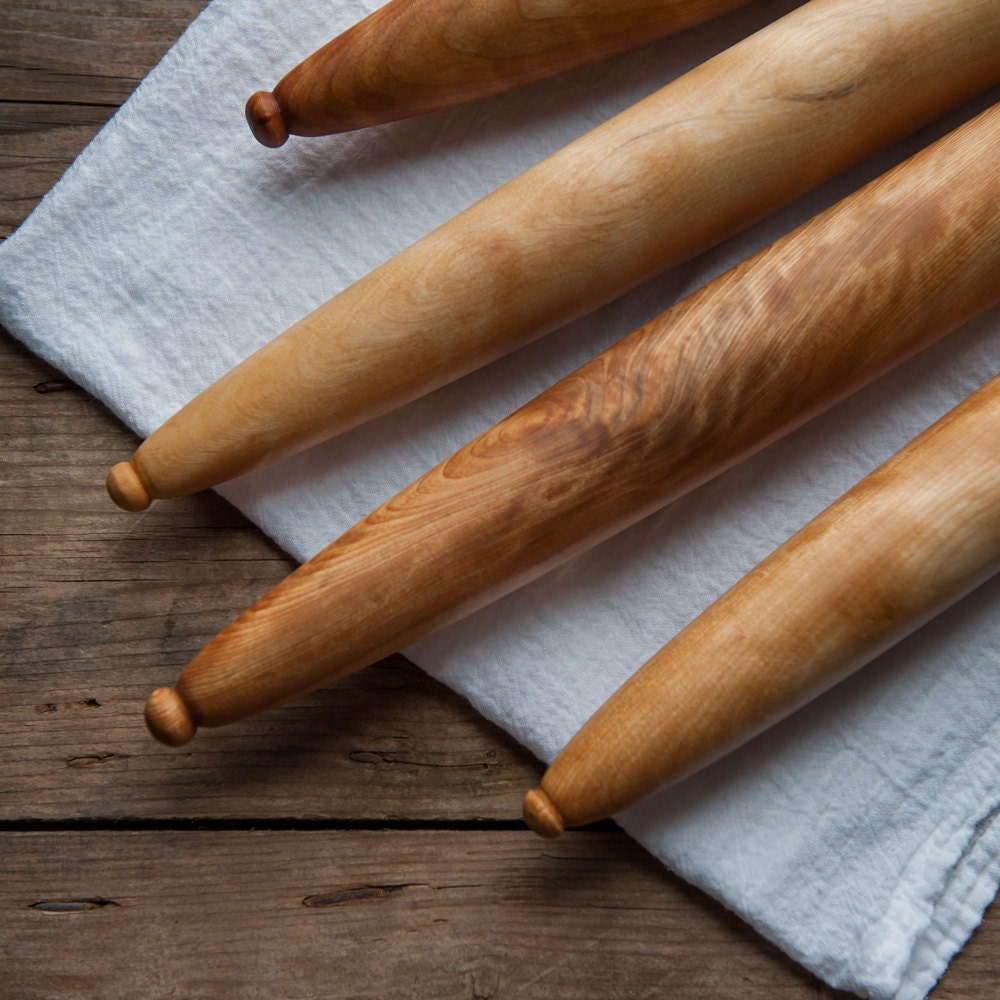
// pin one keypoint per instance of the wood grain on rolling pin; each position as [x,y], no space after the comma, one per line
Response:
[909,540]
[713,151]
[414,56]
[742,361]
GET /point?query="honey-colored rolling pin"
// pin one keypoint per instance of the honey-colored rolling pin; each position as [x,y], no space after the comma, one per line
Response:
[414,56]
[909,540]
[713,151]
[731,368]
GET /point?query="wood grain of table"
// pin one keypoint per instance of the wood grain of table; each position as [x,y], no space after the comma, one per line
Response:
[364,841]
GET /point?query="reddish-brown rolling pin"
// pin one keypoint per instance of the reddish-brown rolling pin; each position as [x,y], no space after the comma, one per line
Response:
[717,149]
[909,540]
[414,56]
[742,361]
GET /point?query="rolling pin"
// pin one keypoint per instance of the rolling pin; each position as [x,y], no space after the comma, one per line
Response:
[742,361]
[414,56]
[713,151]
[909,540]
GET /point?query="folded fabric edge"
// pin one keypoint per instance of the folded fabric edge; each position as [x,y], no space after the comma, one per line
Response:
[970,890]
[940,898]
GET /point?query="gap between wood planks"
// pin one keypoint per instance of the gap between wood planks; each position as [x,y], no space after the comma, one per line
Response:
[280,825]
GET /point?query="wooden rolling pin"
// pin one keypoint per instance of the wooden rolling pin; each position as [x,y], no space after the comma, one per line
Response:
[729,369]
[909,540]
[414,56]
[713,151]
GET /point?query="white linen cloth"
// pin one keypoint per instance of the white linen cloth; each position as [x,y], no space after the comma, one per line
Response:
[860,834]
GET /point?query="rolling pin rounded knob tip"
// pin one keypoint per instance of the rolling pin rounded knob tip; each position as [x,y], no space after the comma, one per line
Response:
[266,120]
[168,718]
[126,488]
[542,816]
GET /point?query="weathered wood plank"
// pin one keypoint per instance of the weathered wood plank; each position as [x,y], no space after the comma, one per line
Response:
[82,52]
[99,607]
[367,914]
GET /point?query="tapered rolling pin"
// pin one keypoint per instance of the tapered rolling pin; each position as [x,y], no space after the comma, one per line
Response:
[909,540]
[729,369]
[724,145]
[414,56]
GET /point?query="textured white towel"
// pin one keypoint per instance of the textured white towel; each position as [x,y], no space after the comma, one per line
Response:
[859,835]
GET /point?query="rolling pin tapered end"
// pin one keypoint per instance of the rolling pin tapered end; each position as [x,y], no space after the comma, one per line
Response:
[542,816]
[266,120]
[126,488]
[168,718]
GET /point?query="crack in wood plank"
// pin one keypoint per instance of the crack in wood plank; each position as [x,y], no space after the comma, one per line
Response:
[90,759]
[440,759]
[72,905]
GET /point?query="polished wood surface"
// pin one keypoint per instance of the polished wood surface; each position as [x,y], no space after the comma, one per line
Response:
[906,542]
[414,56]
[743,134]
[742,361]
[349,845]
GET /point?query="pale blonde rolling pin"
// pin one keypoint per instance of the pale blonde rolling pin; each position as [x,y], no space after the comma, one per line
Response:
[734,366]
[414,56]
[909,540]
[724,145]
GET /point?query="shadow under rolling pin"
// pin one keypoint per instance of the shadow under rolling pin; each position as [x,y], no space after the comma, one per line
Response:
[745,359]
[710,153]
[908,541]
[410,57]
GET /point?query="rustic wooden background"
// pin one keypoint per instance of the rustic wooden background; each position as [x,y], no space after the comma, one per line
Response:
[364,842]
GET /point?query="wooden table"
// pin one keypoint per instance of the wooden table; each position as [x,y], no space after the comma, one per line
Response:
[362,842]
